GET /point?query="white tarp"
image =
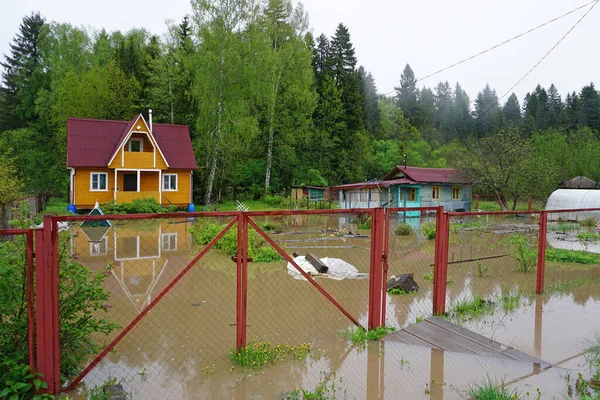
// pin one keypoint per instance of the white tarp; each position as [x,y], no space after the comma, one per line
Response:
[338,269]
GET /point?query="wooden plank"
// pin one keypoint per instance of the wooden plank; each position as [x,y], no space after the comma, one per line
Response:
[524,357]
[427,335]
[406,338]
[470,345]
[459,330]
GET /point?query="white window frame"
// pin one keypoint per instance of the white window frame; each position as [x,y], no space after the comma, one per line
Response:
[167,242]
[96,248]
[170,177]
[141,140]
[92,181]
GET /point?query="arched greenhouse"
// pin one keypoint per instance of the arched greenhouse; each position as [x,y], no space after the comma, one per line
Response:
[571,199]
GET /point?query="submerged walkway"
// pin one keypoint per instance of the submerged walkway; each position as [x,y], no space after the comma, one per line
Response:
[437,333]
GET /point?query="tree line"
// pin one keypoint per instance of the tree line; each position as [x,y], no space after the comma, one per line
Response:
[269,105]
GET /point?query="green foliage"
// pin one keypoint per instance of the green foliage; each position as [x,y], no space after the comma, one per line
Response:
[403,230]
[429,229]
[560,287]
[137,206]
[10,183]
[267,254]
[395,291]
[489,391]
[571,256]
[17,382]
[257,354]
[469,225]
[359,336]
[522,252]
[101,392]
[482,269]
[563,227]
[472,308]
[205,231]
[510,300]
[589,222]
[362,221]
[588,236]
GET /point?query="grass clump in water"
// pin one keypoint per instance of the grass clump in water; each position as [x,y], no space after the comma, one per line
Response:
[360,336]
[257,354]
[523,253]
[428,229]
[468,309]
[488,391]
[560,287]
[511,301]
[571,256]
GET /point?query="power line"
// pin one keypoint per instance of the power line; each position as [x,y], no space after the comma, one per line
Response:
[543,58]
[510,40]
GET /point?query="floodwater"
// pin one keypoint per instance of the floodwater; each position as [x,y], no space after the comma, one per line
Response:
[180,349]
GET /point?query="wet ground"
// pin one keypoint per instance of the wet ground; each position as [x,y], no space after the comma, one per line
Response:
[181,348]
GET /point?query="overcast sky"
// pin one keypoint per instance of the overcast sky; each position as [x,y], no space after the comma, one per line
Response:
[387,34]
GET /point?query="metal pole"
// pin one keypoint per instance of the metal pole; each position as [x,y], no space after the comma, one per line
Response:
[541,264]
[440,272]
[242,281]
[30,302]
[376,270]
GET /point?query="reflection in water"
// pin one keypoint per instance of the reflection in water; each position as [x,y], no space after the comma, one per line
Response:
[180,349]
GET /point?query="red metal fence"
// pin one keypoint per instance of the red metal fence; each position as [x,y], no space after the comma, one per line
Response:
[170,276]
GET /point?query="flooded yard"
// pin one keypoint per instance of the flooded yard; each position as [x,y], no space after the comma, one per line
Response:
[181,348]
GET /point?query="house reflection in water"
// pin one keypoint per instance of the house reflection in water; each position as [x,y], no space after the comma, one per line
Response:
[141,252]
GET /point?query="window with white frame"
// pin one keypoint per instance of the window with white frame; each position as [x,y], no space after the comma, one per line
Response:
[169,241]
[170,182]
[98,181]
[99,248]
[136,145]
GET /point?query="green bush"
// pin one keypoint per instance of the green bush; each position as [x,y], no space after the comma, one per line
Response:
[572,256]
[588,236]
[403,230]
[81,302]
[589,222]
[277,201]
[17,382]
[428,229]
[522,252]
[362,221]
[137,206]
[268,254]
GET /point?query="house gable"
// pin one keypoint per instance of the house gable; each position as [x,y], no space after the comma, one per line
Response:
[123,157]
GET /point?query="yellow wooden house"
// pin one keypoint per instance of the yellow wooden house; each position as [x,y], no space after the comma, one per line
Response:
[121,161]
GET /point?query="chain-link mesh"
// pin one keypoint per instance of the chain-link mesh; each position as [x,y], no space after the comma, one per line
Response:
[16,285]
[411,250]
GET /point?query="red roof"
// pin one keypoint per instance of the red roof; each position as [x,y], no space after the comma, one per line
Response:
[429,175]
[372,184]
[92,142]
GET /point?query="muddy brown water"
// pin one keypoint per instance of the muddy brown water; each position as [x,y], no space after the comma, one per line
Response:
[181,348]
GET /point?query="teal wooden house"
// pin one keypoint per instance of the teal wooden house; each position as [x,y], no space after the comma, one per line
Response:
[410,187]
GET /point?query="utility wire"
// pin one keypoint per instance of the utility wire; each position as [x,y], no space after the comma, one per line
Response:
[543,58]
[509,40]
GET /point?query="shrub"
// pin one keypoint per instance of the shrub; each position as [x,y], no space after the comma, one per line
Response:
[362,221]
[137,206]
[428,229]
[403,230]
[523,253]
[589,222]
[268,254]
[588,236]
[17,382]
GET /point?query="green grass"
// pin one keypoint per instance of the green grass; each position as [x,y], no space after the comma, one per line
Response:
[489,391]
[360,336]
[485,205]
[253,205]
[571,256]
[257,354]
[589,222]
[55,206]
[523,252]
[473,225]
[396,291]
[563,227]
[511,301]
[588,236]
[560,287]
[472,308]
[428,229]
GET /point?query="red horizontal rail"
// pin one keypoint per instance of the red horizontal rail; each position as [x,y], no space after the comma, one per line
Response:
[395,209]
[145,311]
[118,217]
[310,212]
[303,273]
[467,213]
[14,231]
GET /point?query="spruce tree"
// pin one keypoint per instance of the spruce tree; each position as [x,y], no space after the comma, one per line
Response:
[486,112]
[512,111]
[407,94]
[23,74]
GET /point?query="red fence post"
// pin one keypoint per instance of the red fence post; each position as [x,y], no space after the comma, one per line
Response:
[47,324]
[541,262]
[386,249]
[30,301]
[376,270]
[242,281]
[440,270]
[477,202]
